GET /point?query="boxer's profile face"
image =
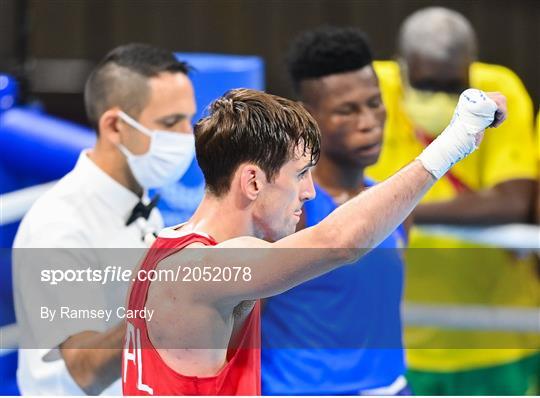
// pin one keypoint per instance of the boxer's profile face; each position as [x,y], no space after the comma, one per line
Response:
[170,107]
[349,110]
[278,207]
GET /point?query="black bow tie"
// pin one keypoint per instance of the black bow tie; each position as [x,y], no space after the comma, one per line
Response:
[142,210]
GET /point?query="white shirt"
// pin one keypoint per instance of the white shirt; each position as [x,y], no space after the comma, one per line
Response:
[85,209]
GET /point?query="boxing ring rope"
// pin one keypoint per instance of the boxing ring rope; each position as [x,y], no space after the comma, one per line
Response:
[520,237]
[14,205]
[473,317]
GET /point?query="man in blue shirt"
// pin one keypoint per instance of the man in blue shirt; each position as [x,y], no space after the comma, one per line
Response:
[341,332]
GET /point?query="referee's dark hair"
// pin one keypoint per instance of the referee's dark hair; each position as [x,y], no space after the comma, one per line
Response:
[326,51]
[121,79]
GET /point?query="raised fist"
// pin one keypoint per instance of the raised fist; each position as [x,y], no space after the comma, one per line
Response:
[474,112]
[478,110]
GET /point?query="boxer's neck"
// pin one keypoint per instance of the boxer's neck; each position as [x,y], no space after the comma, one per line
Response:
[221,219]
[340,181]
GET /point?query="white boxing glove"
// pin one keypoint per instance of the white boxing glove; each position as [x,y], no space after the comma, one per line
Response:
[474,112]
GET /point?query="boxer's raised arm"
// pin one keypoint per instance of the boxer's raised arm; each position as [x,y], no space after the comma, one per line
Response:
[358,225]
[346,234]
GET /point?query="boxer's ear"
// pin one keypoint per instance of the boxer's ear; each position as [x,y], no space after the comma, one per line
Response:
[252,180]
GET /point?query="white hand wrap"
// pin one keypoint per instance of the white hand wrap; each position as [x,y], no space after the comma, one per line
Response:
[474,112]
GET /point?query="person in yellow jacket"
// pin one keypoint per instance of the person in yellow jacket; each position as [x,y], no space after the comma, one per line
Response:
[495,185]
[538,153]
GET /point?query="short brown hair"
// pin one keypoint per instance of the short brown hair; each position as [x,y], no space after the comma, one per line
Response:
[121,79]
[252,126]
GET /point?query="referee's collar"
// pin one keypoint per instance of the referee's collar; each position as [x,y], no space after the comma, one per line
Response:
[120,199]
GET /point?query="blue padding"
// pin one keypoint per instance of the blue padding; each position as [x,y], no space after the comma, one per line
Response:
[7,315]
[41,146]
[213,75]
[8,367]
[8,182]
[8,363]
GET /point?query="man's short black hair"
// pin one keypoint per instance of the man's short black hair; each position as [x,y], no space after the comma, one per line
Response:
[326,51]
[120,79]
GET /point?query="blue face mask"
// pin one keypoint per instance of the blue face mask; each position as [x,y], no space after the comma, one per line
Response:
[167,159]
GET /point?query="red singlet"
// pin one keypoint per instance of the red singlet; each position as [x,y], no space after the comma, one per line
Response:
[145,373]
